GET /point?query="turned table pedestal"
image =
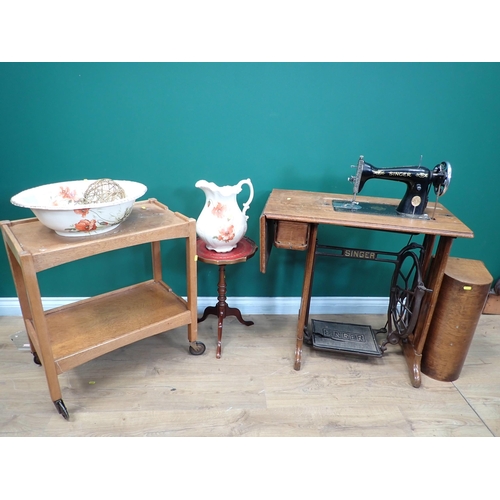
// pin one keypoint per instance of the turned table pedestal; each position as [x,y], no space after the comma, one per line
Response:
[245,249]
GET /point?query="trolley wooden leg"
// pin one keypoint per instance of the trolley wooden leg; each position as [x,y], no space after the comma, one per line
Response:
[30,301]
[39,330]
[192,284]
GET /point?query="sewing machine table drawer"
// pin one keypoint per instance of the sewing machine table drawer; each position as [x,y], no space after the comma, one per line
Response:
[291,235]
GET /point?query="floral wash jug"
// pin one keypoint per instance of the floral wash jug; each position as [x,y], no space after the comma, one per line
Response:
[222,224]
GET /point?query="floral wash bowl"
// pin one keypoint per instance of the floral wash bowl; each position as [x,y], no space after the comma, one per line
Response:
[57,207]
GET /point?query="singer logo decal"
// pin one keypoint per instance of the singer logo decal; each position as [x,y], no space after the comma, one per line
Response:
[359,254]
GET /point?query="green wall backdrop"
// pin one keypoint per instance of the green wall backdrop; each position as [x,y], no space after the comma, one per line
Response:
[283,125]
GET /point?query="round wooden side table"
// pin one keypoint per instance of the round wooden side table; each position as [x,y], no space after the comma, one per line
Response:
[245,249]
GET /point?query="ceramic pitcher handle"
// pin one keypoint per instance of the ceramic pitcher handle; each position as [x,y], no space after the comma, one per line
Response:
[246,205]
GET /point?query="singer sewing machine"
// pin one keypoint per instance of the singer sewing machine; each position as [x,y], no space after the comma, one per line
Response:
[291,220]
[418,180]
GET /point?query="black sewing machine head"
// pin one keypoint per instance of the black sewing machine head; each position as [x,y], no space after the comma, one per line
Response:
[418,180]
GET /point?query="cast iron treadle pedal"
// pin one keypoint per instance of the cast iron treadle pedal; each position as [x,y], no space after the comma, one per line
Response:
[344,337]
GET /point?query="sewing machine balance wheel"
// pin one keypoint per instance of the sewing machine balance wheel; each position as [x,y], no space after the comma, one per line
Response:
[442,176]
[406,294]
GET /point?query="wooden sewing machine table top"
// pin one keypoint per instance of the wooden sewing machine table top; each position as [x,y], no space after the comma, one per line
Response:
[314,208]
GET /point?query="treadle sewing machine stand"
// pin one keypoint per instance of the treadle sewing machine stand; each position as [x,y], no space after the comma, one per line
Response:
[290,220]
[407,290]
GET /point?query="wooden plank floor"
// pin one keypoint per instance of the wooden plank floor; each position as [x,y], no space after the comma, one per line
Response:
[156,388]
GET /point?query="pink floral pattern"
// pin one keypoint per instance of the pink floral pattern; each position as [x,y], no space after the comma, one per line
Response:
[219,210]
[67,194]
[226,234]
[86,225]
[82,211]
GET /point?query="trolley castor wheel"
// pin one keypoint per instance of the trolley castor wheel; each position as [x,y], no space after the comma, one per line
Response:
[197,348]
[61,408]
[36,359]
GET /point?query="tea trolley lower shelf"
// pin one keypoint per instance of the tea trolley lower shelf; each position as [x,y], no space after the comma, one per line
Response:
[68,336]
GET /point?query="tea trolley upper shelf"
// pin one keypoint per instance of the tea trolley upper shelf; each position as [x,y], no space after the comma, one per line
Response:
[68,336]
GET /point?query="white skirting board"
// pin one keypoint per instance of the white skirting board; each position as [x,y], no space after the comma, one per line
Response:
[247,305]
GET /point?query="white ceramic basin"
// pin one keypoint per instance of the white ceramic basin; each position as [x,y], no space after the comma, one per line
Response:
[56,206]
